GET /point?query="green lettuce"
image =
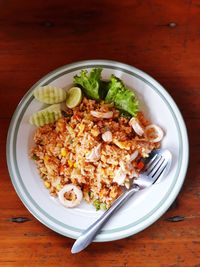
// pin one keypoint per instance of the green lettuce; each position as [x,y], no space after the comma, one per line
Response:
[90,83]
[112,91]
[123,98]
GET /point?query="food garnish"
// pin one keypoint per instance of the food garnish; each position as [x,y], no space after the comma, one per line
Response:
[49,94]
[74,97]
[46,116]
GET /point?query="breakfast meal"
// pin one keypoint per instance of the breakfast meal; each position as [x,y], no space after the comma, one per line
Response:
[91,139]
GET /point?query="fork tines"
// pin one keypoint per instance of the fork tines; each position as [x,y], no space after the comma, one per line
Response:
[156,166]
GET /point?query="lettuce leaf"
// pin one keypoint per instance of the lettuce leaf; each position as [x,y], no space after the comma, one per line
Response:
[112,91]
[90,83]
[123,98]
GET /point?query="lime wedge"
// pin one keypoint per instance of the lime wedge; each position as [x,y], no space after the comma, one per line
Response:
[74,97]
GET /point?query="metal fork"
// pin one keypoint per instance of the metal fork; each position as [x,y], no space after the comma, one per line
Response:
[154,170]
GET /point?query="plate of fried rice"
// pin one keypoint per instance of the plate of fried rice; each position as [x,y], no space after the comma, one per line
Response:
[82,135]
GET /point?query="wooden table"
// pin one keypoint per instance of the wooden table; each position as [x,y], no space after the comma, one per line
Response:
[160,37]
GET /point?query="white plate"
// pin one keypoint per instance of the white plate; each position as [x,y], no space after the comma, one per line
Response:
[142,209]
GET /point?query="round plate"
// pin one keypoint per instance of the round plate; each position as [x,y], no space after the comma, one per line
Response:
[142,209]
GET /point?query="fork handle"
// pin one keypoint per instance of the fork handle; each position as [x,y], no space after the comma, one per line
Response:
[89,234]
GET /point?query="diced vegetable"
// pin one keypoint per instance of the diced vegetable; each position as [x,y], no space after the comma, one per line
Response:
[140,165]
[47,184]
[63,152]
[103,206]
[96,203]
[35,157]
[58,187]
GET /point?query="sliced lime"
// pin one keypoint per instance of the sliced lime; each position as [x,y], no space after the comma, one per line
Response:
[74,97]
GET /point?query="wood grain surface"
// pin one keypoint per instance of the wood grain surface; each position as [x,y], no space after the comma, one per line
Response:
[160,37]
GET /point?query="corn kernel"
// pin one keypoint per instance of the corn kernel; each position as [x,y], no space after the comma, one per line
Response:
[47,184]
[58,187]
[95,132]
[70,163]
[75,165]
[63,152]
[46,158]
[81,128]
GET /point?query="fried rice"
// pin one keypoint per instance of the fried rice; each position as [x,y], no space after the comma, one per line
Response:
[97,155]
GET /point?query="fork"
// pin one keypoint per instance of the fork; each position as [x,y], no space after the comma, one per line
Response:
[154,170]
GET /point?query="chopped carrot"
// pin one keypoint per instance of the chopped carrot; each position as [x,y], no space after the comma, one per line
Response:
[76,117]
[61,168]
[140,165]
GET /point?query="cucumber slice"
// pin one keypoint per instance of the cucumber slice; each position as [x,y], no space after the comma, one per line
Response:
[46,116]
[49,94]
